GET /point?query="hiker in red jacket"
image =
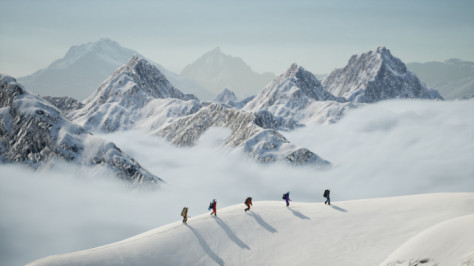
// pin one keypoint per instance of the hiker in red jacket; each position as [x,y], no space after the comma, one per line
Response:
[213,206]
[248,202]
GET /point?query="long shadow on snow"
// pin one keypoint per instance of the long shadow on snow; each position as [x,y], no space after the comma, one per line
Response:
[205,246]
[299,214]
[338,208]
[262,222]
[231,234]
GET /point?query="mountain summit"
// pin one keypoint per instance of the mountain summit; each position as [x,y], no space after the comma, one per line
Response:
[85,66]
[120,98]
[374,76]
[296,94]
[217,71]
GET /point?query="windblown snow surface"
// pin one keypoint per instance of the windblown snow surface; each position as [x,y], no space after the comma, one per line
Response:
[386,149]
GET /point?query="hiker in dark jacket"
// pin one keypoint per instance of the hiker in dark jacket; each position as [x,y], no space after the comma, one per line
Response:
[248,202]
[287,198]
[326,195]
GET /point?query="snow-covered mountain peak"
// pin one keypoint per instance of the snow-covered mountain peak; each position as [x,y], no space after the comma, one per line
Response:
[135,84]
[374,76]
[292,71]
[290,92]
[119,101]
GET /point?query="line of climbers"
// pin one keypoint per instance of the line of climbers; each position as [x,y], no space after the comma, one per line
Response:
[248,203]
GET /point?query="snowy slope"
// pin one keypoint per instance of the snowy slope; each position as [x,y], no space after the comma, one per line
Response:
[447,243]
[361,232]
[376,76]
[85,66]
[216,71]
[120,101]
[34,132]
[298,95]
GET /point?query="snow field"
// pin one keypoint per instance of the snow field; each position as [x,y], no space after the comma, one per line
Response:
[360,232]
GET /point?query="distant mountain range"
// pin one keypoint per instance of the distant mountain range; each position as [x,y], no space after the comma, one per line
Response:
[139,96]
[217,71]
[85,66]
[453,78]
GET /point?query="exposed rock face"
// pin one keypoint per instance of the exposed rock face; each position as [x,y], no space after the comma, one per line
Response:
[65,104]
[119,101]
[263,144]
[376,76]
[34,132]
[297,95]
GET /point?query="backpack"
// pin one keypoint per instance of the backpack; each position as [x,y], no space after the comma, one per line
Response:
[248,200]
[184,212]
[210,206]
[284,196]
[326,193]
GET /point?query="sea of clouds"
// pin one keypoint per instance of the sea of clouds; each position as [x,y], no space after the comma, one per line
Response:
[380,150]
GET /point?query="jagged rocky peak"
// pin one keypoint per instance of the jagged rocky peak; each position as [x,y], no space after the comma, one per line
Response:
[135,83]
[374,76]
[34,132]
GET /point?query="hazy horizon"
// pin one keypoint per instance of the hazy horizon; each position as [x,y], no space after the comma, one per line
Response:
[267,35]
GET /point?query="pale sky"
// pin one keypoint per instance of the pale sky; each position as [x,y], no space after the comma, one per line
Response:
[268,35]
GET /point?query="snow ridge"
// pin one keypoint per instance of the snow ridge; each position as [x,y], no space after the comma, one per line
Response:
[254,133]
[34,132]
[304,234]
[376,76]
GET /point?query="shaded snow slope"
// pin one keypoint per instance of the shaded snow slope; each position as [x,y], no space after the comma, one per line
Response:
[85,66]
[34,132]
[119,102]
[298,95]
[376,76]
[216,71]
[361,232]
[447,243]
